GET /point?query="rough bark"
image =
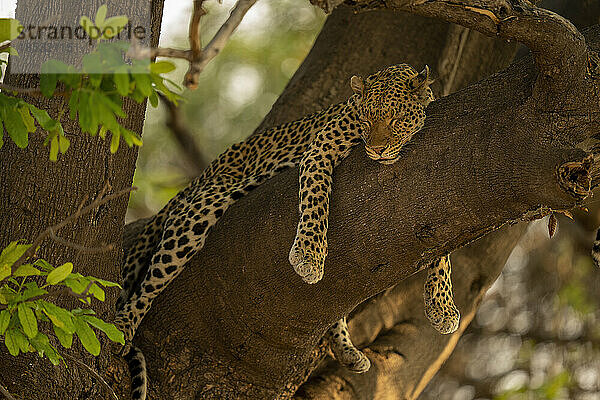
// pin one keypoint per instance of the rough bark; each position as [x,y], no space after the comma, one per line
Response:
[36,193]
[487,155]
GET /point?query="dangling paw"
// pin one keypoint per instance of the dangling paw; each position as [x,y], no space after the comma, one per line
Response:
[354,360]
[438,298]
[344,350]
[307,263]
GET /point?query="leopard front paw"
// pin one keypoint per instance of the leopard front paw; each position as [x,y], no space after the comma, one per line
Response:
[307,263]
[445,319]
[355,360]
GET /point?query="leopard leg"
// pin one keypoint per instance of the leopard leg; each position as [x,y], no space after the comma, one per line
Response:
[344,350]
[184,233]
[137,259]
[330,146]
[439,300]
[596,250]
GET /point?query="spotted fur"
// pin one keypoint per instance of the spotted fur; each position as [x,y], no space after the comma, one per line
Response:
[385,111]
[596,250]
[439,303]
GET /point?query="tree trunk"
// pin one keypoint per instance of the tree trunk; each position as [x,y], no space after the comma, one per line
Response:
[242,325]
[36,193]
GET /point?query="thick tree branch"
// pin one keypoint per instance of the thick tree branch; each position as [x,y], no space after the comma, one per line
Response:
[558,47]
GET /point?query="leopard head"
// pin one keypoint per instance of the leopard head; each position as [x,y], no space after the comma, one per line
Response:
[391,108]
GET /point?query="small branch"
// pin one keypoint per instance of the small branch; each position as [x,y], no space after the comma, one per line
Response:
[217,43]
[194,31]
[34,92]
[6,393]
[197,57]
[80,248]
[5,46]
[138,52]
[184,137]
[73,217]
[95,374]
[85,295]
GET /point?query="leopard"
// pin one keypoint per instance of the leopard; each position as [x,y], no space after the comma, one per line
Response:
[384,111]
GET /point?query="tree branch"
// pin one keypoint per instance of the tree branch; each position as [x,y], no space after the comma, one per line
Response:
[558,47]
[217,43]
[184,138]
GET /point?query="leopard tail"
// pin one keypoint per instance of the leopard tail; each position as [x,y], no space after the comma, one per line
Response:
[137,368]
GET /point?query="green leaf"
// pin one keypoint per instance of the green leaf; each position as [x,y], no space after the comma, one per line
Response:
[43,264]
[27,119]
[63,143]
[153,99]
[143,84]
[59,273]
[97,292]
[162,67]
[101,15]
[114,142]
[48,84]
[65,339]
[75,285]
[16,129]
[5,271]
[89,26]
[4,320]
[10,28]
[26,270]
[12,341]
[28,320]
[121,78]
[58,315]
[42,344]
[13,252]
[109,329]
[104,282]
[32,291]
[114,25]
[87,337]
[54,148]
[43,118]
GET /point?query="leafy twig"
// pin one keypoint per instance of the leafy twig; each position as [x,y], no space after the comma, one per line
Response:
[34,92]
[65,290]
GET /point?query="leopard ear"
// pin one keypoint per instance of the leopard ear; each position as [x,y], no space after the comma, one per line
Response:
[421,80]
[357,85]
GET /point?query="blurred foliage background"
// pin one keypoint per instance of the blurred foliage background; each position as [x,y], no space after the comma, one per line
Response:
[537,332]
[235,92]
[536,335]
